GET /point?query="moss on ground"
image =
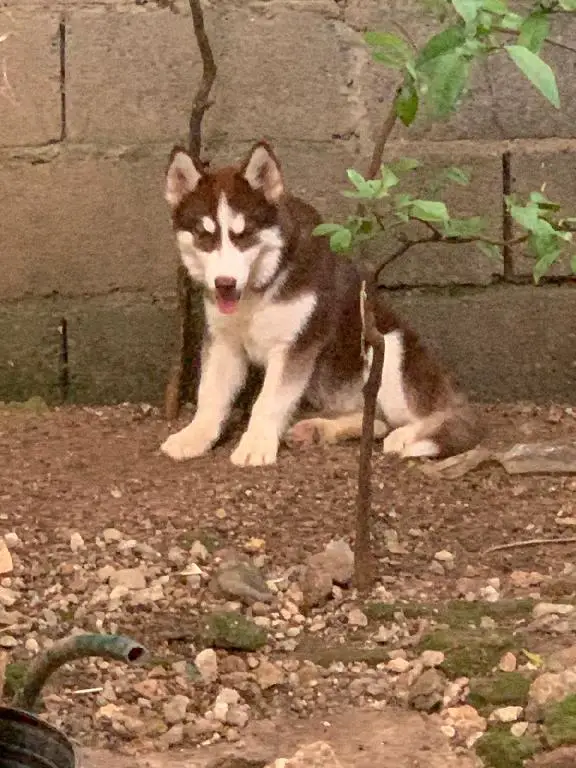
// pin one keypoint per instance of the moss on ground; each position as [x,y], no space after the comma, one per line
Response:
[498,748]
[501,689]
[458,614]
[13,678]
[560,722]
[232,631]
[468,652]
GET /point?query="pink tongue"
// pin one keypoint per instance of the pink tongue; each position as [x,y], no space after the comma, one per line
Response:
[227,306]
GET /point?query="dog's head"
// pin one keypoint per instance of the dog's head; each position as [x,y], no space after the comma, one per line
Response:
[228,222]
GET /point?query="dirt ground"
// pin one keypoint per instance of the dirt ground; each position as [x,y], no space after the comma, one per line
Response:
[88,469]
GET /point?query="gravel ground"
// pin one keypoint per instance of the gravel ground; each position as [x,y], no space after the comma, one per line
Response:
[108,535]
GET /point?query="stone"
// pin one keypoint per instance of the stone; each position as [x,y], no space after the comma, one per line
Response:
[237,715]
[12,540]
[340,559]
[561,660]
[546,609]
[112,534]
[174,710]
[76,542]
[432,658]
[398,665]
[357,618]
[8,597]
[506,714]
[198,551]
[6,564]
[465,719]
[268,675]
[7,641]
[426,693]
[508,662]
[563,757]
[540,458]
[207,665]
[129,578]
[242,580]
[316,582]
[551,687]
[443,556]
[317,755]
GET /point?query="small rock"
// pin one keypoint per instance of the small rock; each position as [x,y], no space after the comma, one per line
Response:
[398,665]
[518,729]
[174,711]
[561,660]
[426,693]
[356,618]
[508,662]
[173,737]
[76,542]
[316,582]
[12,539]
[237,715]
[254,545]
[207,664]
[490,594]
[242,580]
[506,714]
[199,552]
[6,564]
[444,556]
[465,719]
[432,658]
[112,534]
[316,755]
[8,597]
[268,675]
[341,561]
[550,687]
[32,645]
[7,641]
[546,609]
[129,578]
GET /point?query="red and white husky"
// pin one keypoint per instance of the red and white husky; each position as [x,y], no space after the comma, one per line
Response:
[276,296]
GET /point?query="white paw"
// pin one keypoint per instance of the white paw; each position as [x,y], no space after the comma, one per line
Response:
[255,449]
[399,439]
[192,441]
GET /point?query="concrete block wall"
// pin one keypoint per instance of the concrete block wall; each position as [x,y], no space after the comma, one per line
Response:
[99,91]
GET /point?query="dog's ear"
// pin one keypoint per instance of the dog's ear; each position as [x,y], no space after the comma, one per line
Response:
[182,176]
[262,171]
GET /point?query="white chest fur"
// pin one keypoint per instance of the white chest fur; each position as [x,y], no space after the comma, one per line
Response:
[392,395]
[262,324]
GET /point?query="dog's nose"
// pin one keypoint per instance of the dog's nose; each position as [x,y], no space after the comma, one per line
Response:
[225,283]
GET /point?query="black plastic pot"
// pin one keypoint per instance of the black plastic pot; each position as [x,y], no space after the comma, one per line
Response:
[28,742]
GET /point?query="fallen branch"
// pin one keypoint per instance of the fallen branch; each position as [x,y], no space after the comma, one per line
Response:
[530,543]
[180,380]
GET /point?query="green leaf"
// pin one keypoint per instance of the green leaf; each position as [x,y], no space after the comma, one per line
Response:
[341,240]
[403,200]
[389,178]
[573,263]
[406,103]
[390,50]
[546,248]
[442,43]
[326,229]
[429,210]
[533,658]
[537,71]
[489,249]
[446,82]
[534,30]
[404,164]
[568,5]
[357,179]
[467,9]
[495,6]
[512,21]
[464,227]
[457,175]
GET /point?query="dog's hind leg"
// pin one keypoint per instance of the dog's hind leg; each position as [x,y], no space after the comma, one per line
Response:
[330,431]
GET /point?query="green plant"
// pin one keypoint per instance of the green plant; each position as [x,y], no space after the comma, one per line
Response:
[434,80]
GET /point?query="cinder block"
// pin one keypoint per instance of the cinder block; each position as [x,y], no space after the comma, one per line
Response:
[30,93]
[282,74]
[530,169]
[441,264]
[131,75]
[84,223]
[502,343]
[121,348]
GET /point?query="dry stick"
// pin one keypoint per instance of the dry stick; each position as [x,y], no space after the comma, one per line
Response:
[180,380]
[530,543]
[363,556]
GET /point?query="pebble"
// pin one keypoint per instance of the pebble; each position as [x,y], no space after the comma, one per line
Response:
[356,618]
[268,675]
[506,714]
[508,662]
[8,641]
[546,609]
[398,665]
[112,534]
[444,556]
[207,664]
[12,539]
[432,658]
[174,711]
[8,597]
[76,542]
[128,578]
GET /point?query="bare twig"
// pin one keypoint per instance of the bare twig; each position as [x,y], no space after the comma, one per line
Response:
[363,556]
[180,380]
[530,543]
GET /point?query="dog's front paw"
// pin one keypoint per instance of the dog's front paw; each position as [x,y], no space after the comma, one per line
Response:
[255,449]
[190,442]
[399,440]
